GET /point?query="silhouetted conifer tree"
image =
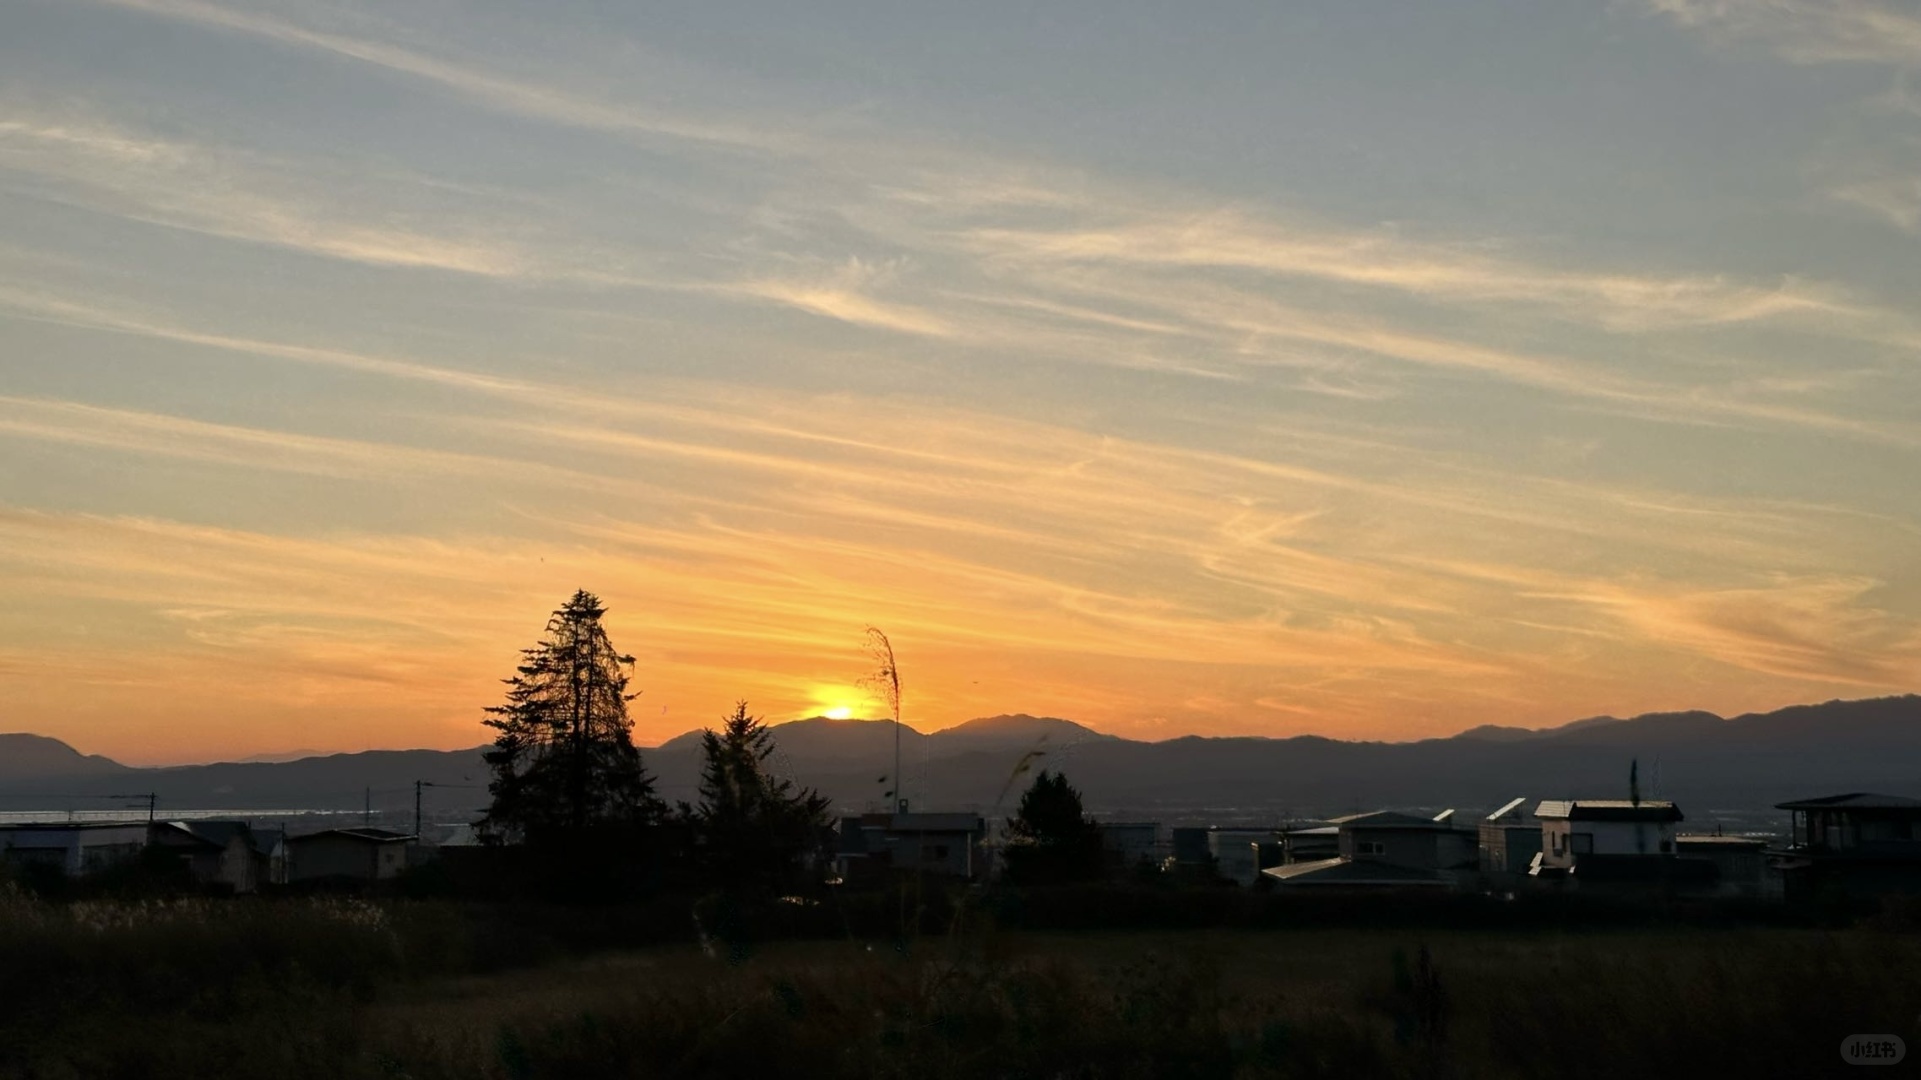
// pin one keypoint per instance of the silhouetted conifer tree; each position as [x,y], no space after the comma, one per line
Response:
[1050,840]
[564,760]
[754,828]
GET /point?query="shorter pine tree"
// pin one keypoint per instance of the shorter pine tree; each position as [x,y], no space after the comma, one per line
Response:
[754,830]
[1050,840]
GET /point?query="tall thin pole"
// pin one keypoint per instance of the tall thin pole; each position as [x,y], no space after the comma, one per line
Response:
[417,785]
[367,807]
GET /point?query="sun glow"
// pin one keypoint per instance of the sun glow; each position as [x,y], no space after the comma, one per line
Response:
[835,702]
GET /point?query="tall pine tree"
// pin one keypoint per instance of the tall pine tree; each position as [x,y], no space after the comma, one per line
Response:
[564,759]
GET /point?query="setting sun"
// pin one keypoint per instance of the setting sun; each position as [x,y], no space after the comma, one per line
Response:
[834,701]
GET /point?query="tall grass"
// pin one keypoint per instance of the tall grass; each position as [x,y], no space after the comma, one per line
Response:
[315,987]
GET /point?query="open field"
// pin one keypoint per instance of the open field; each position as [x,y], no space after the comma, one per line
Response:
[331,988]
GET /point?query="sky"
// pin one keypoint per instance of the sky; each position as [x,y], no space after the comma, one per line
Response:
[1366,369]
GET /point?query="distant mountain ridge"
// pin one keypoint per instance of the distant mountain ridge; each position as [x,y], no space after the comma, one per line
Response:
[23,756]
[1751,761]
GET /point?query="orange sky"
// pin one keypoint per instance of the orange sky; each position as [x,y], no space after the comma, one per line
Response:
[1258,374]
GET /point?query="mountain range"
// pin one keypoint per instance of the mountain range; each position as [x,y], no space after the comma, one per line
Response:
[1707,763]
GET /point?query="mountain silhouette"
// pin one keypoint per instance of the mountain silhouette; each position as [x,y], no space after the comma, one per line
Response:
[25,758]
[1708,763]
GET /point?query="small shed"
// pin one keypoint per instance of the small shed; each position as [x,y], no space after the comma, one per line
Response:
[359,854]
[1509,838]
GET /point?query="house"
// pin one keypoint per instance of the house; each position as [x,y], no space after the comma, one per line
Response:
[1616,843]
[1509,838]
[1386,849]
[1740,863]
[1856,845]
[1310,843]
[76,848]
[359,854]
[873,846]
[270,856]
[1129,843]
[219,854]
[1238,855]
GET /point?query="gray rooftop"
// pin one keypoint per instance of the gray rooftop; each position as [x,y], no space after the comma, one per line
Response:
[1513,810]
[1388,819]
[363,834]
[1608,810]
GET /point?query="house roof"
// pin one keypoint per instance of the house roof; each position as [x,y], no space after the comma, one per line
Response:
[69,826]
[1347,872]
[214,833]
[1857,800]
[1512,810]
[966,823]
[1608,810]
[365,835]
[1388,819]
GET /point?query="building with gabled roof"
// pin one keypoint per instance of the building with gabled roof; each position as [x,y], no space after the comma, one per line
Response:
[362,853]
[218,854]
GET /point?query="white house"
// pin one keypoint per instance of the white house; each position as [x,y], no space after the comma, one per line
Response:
[1611,840]
[1385,849]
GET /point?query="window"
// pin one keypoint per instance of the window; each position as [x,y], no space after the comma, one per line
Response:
[1369,847]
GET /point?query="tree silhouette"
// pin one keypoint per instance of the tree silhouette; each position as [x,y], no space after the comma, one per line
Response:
[754,827]
[1050,839]
[564,759]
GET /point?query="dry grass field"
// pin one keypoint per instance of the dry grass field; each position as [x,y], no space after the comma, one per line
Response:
[332,988]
